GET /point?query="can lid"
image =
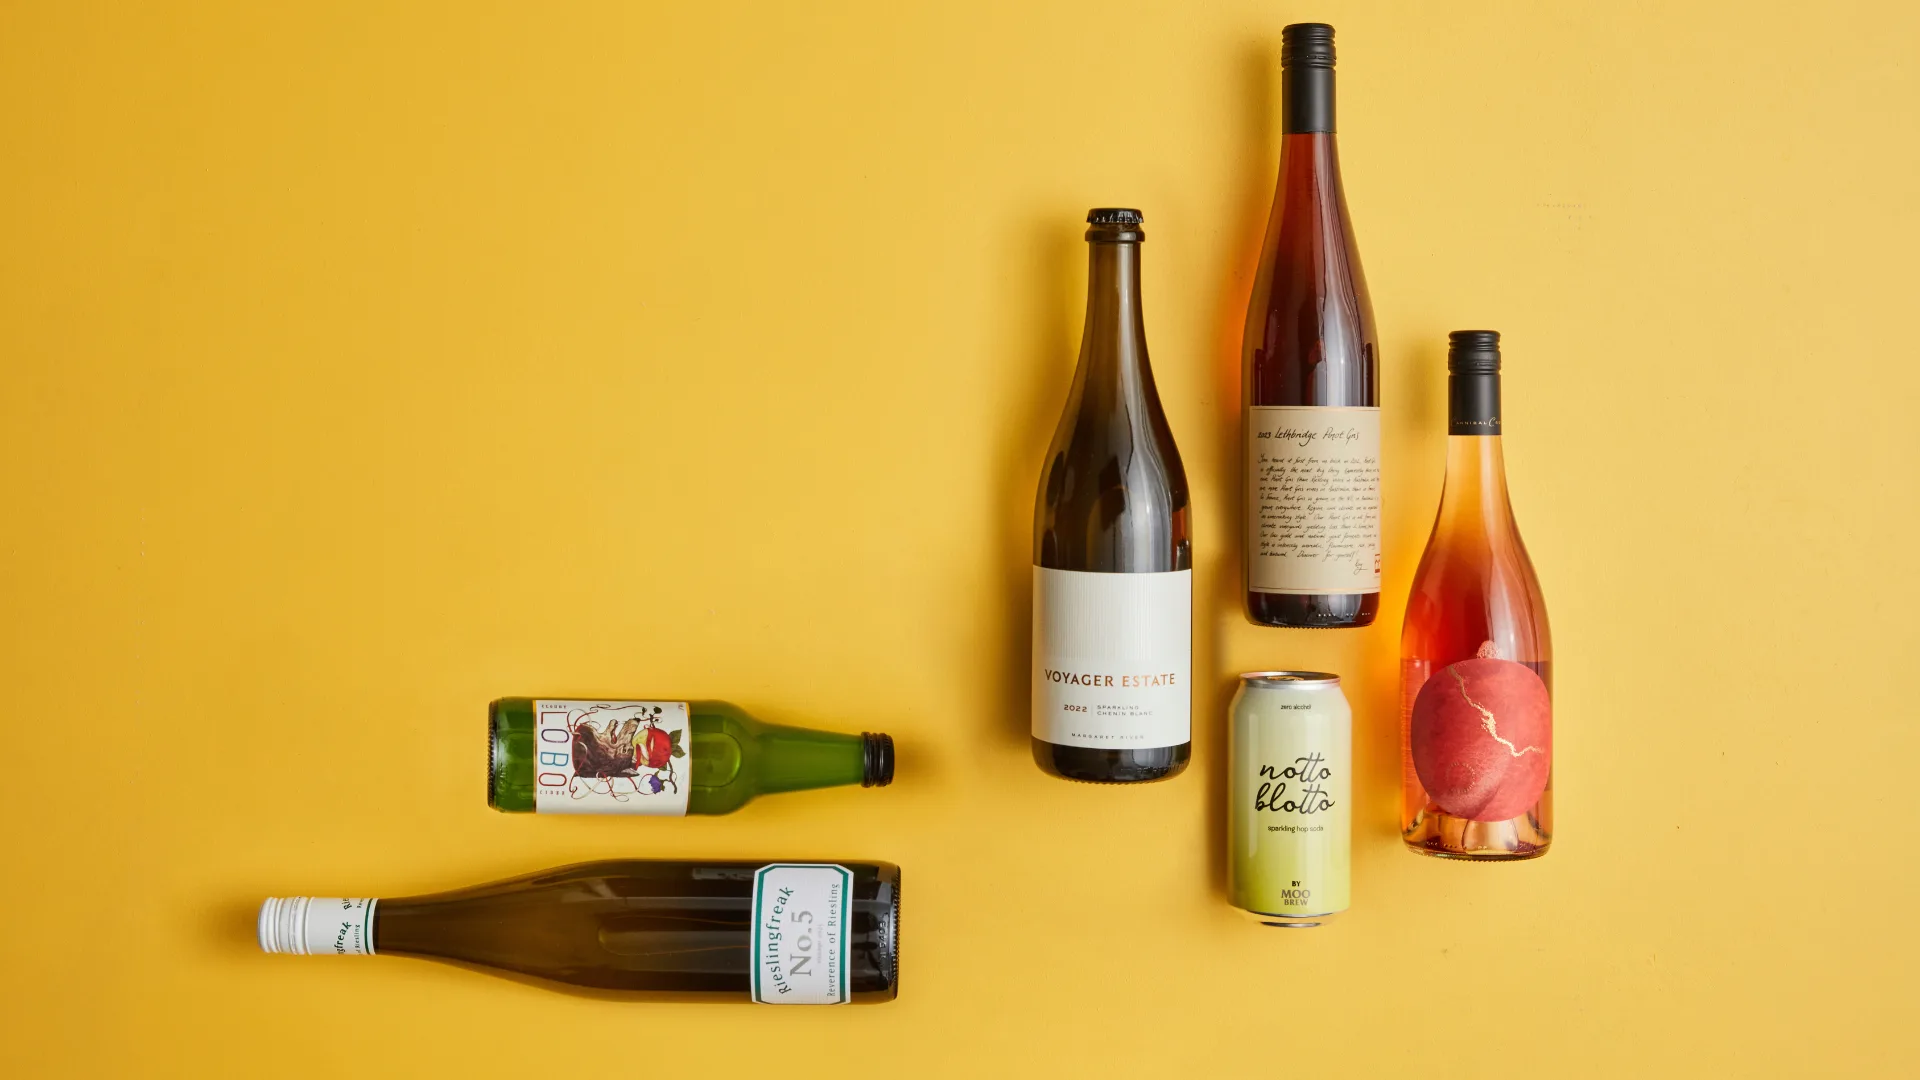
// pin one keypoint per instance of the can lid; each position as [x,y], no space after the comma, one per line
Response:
[1288,678]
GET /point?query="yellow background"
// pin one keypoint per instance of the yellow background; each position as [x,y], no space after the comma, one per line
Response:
[363,362]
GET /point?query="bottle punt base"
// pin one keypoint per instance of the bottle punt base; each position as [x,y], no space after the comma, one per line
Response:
[1316,611]
[1443,836]
[1092,765]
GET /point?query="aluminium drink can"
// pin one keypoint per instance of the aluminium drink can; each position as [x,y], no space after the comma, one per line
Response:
[1290,791]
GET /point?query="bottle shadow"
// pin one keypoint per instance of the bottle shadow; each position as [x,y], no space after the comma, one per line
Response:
[1255,160]
[1049,255]
[232,928]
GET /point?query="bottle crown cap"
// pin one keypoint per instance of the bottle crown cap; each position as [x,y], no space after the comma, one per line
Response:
[1108,215]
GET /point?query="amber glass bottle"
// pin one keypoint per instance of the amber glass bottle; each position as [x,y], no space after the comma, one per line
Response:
[1112,577]
[1311,367]
[1475,655]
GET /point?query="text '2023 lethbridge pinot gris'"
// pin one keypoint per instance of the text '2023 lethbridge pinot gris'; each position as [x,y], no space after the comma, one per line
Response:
[1112,577]
[1311,364]
[1476,659]
[778,933]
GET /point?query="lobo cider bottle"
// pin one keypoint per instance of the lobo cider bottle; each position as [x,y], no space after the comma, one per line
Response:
[564,756]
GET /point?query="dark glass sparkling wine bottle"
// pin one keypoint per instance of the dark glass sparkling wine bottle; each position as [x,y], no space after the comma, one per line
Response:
[637,930]
[1311,389]
[1476,657]
[565,756]
[1112,559]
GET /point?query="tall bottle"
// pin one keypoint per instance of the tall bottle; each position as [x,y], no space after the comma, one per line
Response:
[639,930]
[1312,378]
[559,756]
[1475,656]
[1112,577]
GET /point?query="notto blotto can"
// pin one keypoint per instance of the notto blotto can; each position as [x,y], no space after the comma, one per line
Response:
[1290,782]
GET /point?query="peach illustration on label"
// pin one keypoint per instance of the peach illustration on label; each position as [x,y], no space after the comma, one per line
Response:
[1482,738]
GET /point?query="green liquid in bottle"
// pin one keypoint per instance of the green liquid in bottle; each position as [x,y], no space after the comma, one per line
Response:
[726,759]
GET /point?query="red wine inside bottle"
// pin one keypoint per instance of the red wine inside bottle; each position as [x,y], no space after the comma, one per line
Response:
[1311,365]
[1476,659]
[1112,559]
[562,756]
[777,933]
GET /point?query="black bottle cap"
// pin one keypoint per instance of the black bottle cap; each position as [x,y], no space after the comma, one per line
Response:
[1473,352]
[1108,215]
[879,759]
[1308,44]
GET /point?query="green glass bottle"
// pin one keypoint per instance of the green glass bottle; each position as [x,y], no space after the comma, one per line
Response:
[554,755]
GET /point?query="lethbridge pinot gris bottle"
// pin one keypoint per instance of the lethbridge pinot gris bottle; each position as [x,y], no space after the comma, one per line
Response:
[1475,655]
[1112,577]
[1311,364]
[560,756]
[779,933]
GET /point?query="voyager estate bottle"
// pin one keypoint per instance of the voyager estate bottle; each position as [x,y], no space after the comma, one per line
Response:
[662,757]
[1475,656]
[1112,577]
[778,933]
[1311,388]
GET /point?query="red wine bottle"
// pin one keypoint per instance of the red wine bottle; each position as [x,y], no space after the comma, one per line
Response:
[1112,561]
[636,930]
[1311,365]
[1475,655]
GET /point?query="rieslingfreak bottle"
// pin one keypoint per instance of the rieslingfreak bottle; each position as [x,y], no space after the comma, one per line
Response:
[1475,655]
[560,756]
[1112,577]
[640,930]
[1312,378]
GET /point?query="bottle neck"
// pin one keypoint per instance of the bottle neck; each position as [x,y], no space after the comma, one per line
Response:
[1473,403]
[1114,341]
[1306,99]
[796,759]
[1475,497]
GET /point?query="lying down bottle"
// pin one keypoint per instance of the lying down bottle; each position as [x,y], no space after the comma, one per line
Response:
[560,756]
[638,930]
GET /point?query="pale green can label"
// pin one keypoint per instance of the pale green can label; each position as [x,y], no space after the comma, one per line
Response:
[1291,786]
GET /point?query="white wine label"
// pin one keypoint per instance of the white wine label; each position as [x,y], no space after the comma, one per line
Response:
[800,921]
[317,925]
[1313,499]
[611,757]
[1112,658]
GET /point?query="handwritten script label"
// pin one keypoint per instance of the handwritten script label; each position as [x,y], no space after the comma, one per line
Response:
[1313,521]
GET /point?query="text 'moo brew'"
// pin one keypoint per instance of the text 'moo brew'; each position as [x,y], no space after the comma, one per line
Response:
[1311,516]
[1112,558]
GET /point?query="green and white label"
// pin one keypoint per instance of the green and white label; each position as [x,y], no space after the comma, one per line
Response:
[611,757]
[800,919]
[317,925]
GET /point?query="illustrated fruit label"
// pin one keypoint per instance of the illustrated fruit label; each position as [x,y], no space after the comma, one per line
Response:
[1481,738]
[1112,656]
[800,920]
[611,757]
[1313,499]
